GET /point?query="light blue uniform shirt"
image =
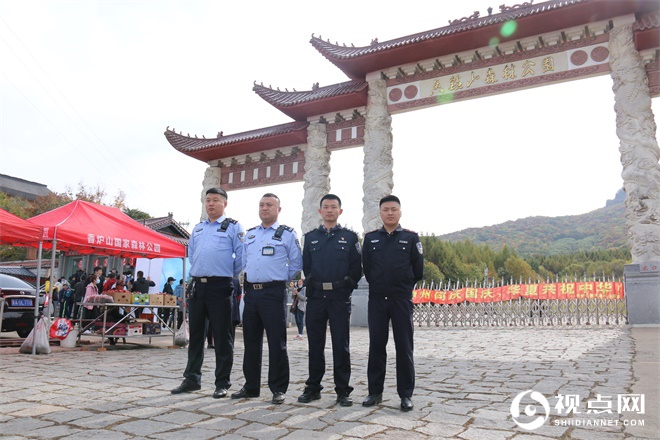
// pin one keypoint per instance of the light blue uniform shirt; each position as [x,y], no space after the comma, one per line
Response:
[214,253]
[268,259]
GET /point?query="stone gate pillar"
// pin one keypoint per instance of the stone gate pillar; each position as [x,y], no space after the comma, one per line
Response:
[317,175]
[378,161]
[640,155]
[211,180]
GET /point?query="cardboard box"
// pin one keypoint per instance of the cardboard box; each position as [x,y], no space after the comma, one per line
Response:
[121,297]
[141,299]
[126,330]
[134,329]
[169,300]
[152,328]
[156,299]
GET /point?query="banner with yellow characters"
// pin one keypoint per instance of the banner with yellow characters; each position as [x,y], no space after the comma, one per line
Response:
[578,290]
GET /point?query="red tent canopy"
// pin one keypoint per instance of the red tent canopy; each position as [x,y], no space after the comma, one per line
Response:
[16,231]
[89,228]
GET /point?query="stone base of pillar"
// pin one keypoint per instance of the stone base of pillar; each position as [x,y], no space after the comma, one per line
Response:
[643,293]
[359,302]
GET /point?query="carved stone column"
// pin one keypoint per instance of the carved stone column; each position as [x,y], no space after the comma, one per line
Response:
[211,180]
[640,154]
[378,161]
[317,175]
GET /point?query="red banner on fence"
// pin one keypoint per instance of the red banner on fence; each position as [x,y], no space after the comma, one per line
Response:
[579,290]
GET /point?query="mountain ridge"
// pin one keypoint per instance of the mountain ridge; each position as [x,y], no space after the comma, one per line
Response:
[600,229]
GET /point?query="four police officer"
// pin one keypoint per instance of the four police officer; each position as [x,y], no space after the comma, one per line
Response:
[393,262]
[270,254]
[215,250]
[331,263]
[272,258]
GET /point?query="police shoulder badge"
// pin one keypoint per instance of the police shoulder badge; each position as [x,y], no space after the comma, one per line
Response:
[419,248]
[357,246]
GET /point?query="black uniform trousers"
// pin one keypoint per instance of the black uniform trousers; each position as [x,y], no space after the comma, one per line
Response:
[380,312]
[265,310]
[334,307]
[212,301]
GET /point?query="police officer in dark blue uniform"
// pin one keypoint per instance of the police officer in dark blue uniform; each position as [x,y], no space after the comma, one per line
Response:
[215,250]
[332,265]
[393,262]
[272,258]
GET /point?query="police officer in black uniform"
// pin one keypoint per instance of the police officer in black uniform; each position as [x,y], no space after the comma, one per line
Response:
[331,263]
[272,258]
[393,262]
[215,250]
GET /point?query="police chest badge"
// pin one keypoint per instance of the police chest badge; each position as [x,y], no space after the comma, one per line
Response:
[419,248]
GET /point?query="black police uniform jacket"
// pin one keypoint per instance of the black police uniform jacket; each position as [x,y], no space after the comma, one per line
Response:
[331,256]
[392,263]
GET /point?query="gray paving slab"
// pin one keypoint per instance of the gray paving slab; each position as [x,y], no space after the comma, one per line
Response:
[466,378]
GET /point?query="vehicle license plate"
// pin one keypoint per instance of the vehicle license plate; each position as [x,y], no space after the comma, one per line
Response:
[22,303]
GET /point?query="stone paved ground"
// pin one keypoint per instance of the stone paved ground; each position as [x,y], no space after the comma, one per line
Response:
[466,382]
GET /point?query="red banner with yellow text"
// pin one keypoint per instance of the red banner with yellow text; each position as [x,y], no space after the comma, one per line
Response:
[578,290]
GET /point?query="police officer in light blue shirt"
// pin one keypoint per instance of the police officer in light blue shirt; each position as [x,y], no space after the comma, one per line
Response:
[272,257]
[215,250]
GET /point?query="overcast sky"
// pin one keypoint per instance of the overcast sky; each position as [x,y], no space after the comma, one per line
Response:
[87,89]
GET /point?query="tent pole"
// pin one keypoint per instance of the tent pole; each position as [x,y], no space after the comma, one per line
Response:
[36,301]
[52,272]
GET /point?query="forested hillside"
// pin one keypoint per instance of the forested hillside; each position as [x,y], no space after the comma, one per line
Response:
[535,248]
[601,229]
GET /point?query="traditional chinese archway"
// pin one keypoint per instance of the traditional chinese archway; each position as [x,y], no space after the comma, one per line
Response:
[536,45]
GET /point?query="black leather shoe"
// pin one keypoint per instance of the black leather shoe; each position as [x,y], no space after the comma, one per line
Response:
[372,399]
[406,404]
[186,386]
[219,393]
[244,394]
[278,398]
[344,399]
[309,395]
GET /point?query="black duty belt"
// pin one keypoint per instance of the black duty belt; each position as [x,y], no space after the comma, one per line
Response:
[260,286]
[210,279]
[330,285]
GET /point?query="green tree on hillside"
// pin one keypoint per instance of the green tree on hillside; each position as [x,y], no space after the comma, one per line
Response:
[468,262]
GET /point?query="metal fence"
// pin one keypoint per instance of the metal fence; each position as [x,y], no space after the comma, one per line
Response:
[524,312]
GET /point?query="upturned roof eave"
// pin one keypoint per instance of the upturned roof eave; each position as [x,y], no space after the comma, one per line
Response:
[240,147]
[301,112]
[302,105]
[468,36]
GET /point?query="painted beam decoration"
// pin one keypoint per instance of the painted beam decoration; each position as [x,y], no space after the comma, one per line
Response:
[556,291]
[522,69]
[267,168]
[346,134]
